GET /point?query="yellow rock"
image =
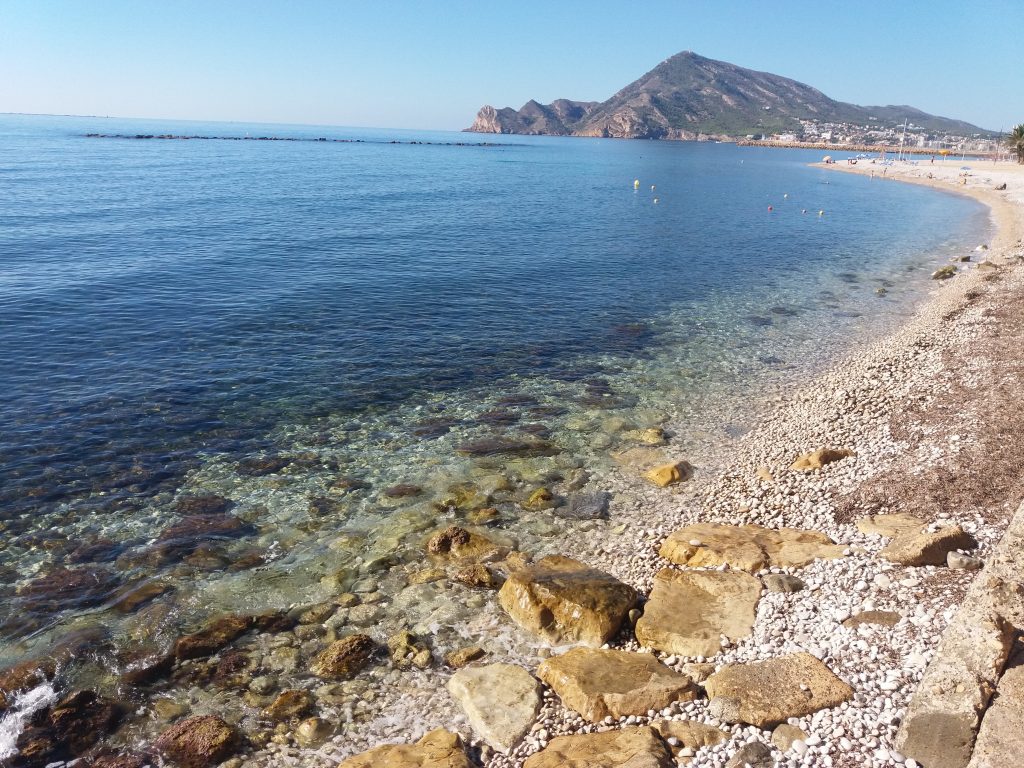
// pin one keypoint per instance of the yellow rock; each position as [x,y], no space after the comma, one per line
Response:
[819,458]
[542,498]
[764,474]
[669,474]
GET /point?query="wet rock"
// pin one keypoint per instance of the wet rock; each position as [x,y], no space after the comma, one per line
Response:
[63,588]
[749,548]
[23,676]
[889,525]
[427,575]
[541,498]
[311,731]
[463,656]
[783,582]
[564,600]
[753,754]
[690,733]
[817,459]
[131,597]
[671,473]
[429,429]
[214,636]
[208,504]
[183,536]
[927,548]
[476,575]
[323,506]
[96,551]
[586,506]
[198,742]
[608,683]
[289,704]
[633,747]
[944,273]
[499,417]
[502,446]
[689,611]
[784,735]
[118,761]
[232,669]
[442,542]
[409,650]
[438,749]
[258,466]
[402,491]
[460,544]
[649,436]
[501,702]
[146,669]
[770,692]
[345,658]
[347,484]
[274,621]
[879,618]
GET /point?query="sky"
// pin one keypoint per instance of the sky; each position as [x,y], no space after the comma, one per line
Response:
[433,63]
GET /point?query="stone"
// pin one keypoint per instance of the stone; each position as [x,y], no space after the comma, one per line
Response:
[406,648]
[626,748]
[71,727]
[924,548]
[456,543]
[258,466]
[198,742]
[881,618]
[146,669]
[500,446]
[344,659]
[585,506]
[62,588]
[770,692]
[809,462]
[671,473]
[944,273]
[749,548]
[1000,742]
[563,600]
[649,436]
[133,596]
[541,498]
[603,683]
[24,675]
[889,525]
[311,731]
[764,475]
[402,491]
[207,504]
[214,636]
[958,561]
[501,702]
[689,611]
[753,754]
[475,575]
[783,582]
[785,734]
[289,704]
[690,733]
[438,749]
[463,656]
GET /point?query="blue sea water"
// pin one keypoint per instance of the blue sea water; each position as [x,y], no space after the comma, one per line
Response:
[165,304]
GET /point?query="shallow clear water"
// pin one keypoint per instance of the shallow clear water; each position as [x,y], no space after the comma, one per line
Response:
[170,310]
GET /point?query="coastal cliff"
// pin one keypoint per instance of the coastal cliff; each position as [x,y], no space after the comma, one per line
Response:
[692,97]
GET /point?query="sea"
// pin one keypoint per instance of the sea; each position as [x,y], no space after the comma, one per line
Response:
[251,366]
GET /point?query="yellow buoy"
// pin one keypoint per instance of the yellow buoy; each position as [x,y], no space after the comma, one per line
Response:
[636,184]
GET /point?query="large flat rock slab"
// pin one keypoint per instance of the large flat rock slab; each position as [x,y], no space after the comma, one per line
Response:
[565,601]
[689,611]
[1000,741]
[889,525]
[602,683]
[747,547]
[628,748]
[767,693]
[438,749]
[500,700]
[924,547]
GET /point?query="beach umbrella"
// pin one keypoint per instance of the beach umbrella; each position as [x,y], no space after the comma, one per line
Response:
[826,158]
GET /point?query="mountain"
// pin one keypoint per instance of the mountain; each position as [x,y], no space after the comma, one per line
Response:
[689,97]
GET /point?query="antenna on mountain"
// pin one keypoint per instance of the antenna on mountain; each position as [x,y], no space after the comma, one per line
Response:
[902,139]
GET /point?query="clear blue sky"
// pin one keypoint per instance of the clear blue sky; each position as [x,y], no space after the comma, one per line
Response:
[432,64]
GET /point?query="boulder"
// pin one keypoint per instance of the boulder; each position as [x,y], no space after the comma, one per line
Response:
[924,548]
[753,754]
[456,543]
[690,733]
[747,547]
[689,611]
[344,659]
[214,636]
[62,588]
[463,656]
[71,727]
[564,600]
[438,749]
[500,700]
[671,473]
[1000,741]
[603,683]
[198,742]
[782,582]
[24,675]
[770,692]
[785,734]
[944,273]
[889,525]
[627,748]
[808,462]
[289,704]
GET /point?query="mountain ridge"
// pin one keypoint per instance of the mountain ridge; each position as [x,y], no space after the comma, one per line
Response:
[688,96]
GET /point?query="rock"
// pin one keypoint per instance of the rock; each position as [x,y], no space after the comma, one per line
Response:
[345,658]
[585,506]
[317,614]
[690,733]
[455,543]
[62,588]
[207,504]
[753,754]
[924,548]
[889,525]
[463,656]
[808,462]
[767,693]
[564,600]
[649,436]
[747,547]
[785,734]
[198,742]
[765,475]
[500,446]
[1001,187]
[214,636]
[258,466]
[475,575]
[289,704]
[961,562]
[944,273]
[689,611]
[72,726]
[881,618]
[541,498]
[427,575]
[402,491]
[699,672]
[671,473]
[408,650]
[1000,741]
[24,675]
[442,542]
[147,669]
[311,731]
[782,582]
[500,700]
[626,748]
[603,683]
[438,749]
[133,596]
[118,761]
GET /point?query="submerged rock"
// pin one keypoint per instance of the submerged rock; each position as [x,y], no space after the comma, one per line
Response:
[633,747]
[438,749]
[198,742]
[944,273]
[63,588]
[345,658]
[258,466]
[608,683]
[564,600]
[500,700]
[586,506]
[671,473]
[214,636]
[208,504]
[289,704]
[502,446]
